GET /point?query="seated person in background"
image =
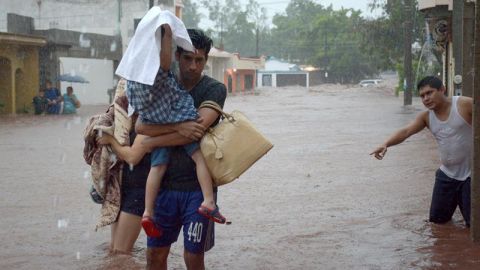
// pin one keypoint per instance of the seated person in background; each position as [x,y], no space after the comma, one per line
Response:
[40,103]
[70,102]
[53,97]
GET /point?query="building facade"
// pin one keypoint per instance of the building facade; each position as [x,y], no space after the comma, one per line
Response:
[80,37]
[106,17]
[278,73]
[451,30]
[19,71]
[237,73]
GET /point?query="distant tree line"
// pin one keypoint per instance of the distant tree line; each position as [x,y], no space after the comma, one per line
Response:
[341,42]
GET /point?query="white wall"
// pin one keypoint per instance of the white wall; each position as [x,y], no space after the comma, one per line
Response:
[260,81]
[260,78]
[92,16]
[277,65]
[98,72]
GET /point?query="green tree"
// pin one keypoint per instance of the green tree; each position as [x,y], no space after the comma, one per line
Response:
[383,37]
[310,33]
[222,15]
[341,42]
[240,36]
[237,29]
[258,16]
[290,36]
[191,17]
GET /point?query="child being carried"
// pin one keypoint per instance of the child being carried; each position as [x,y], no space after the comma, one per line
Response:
[166,102]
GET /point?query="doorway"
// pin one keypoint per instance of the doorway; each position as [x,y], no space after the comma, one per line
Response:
[5,85]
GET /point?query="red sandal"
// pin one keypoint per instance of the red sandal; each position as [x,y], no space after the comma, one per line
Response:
[150,227]
[212,214]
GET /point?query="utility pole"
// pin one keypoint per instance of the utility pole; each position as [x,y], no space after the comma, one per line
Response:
[457,35]
[325,48]
[407,53]
[257,41]
[119,17]
[150,4]
[468,47]
[475,181]
[221,33]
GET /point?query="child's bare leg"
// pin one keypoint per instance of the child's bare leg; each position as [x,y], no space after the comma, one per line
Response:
[204,179]
[153,185]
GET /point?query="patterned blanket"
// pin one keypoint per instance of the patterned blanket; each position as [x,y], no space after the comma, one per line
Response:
[106,169]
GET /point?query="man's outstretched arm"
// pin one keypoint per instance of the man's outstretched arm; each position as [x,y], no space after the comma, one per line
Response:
[401,135]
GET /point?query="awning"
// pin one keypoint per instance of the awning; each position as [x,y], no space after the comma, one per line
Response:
[9,38]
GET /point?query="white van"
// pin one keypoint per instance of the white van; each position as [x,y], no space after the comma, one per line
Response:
[366,83]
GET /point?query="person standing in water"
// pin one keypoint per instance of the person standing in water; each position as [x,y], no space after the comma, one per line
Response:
[450,121]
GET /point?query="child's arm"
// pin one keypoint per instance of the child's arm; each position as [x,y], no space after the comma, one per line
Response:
[166,48]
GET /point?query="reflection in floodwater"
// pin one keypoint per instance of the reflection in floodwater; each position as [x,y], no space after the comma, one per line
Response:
[451,248]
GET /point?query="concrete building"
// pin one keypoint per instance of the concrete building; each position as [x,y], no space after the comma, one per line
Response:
[92,56]
[236,72]
[218,62]
[278,73]
[106,17]
[19,70]
[242,76]
[83,37]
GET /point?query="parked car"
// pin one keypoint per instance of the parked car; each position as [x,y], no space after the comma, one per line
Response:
[365,83]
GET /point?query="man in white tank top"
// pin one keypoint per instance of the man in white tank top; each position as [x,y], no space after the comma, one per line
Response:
[450,121]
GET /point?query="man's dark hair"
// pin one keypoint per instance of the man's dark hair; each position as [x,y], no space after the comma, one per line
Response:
[431,81]
[48,81]
[199,40]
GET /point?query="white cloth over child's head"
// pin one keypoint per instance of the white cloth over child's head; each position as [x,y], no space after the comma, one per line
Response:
[141,60]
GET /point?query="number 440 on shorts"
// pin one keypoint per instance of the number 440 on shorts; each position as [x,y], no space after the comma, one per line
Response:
[195,232]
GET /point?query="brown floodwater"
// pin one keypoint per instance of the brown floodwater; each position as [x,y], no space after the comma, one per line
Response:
[316,201]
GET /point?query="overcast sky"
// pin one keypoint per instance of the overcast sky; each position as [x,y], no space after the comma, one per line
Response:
[278,6]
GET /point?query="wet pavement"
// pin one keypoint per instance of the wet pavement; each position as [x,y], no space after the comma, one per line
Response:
[316,201]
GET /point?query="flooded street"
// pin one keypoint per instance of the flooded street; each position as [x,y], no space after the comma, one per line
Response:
[317,200]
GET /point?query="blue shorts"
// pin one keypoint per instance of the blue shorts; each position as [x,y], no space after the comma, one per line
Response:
[161,155]
[174,209]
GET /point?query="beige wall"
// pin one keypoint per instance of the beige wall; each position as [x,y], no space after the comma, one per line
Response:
[19,77]
[248,63]
[217,67]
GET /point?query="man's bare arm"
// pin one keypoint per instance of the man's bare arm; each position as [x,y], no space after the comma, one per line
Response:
[465,108]
[401,135]
[190,129]
[207,116]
